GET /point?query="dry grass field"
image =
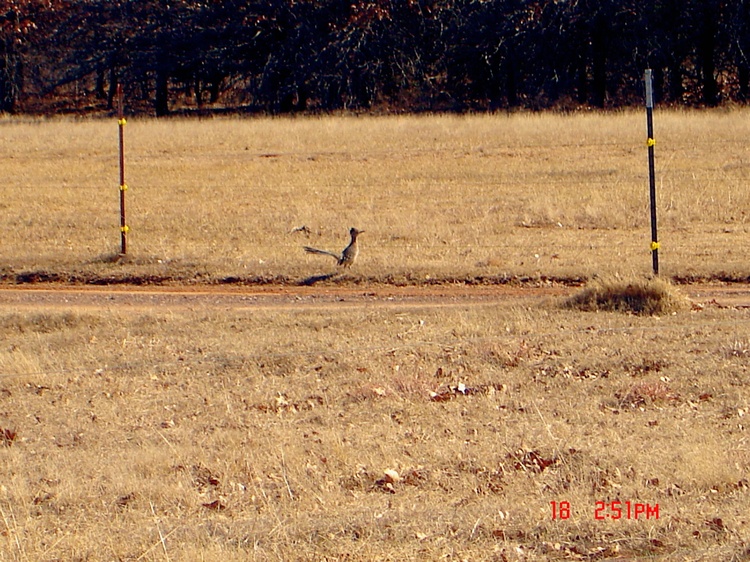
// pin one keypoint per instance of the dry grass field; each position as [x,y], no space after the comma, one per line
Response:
[408,409]
[471,198]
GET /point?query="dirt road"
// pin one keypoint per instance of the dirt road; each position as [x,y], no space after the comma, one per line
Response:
[54,296]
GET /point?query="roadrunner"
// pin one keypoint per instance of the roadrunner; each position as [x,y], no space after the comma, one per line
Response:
[345,258]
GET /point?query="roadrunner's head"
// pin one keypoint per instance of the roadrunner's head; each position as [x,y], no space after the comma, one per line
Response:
[354,232]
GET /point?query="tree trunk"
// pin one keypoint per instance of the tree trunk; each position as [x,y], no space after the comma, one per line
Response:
[582,90]
[112,92]
[743,77]
[10,81]
[511,80]
[198,90]
[706,55]
[214,90]
[161,95]
[676,89]
[100,90]
[658,84]
[599,62]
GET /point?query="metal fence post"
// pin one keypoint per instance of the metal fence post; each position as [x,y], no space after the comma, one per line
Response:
[651,168]
[123,186]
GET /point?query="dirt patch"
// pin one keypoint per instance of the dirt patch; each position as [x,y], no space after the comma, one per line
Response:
[136,297]
[271,296]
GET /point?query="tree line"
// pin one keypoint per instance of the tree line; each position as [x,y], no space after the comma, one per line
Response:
[283,56]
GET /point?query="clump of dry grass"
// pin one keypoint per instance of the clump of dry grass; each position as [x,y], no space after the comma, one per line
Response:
[648,392]
[637,296]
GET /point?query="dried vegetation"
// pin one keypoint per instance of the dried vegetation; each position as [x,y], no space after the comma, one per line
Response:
[478,199]
[637,296]
[375,429]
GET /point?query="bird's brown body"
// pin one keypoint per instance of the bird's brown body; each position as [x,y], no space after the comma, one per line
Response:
[345,258]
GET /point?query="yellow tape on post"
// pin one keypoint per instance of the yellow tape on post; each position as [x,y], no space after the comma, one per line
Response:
[650,142]
[655,246]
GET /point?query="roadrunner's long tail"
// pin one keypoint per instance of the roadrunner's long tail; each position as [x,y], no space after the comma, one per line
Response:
[345,258]
[310,250]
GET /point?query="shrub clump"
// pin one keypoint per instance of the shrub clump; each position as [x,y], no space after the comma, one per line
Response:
[642,296]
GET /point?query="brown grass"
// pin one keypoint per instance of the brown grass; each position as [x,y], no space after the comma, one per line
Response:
[652,296]
[475,197]
[184,429]
[370,432]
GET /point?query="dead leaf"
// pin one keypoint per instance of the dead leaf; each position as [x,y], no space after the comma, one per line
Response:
[7,436]
[215,505]
[531,460]
[384,486]
[123,501]
[443,396]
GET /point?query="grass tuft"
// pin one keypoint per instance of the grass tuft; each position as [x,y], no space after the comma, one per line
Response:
[637,296]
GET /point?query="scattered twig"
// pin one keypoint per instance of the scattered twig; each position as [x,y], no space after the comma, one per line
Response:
[474,529]
[162,538]
[286,480]
[10,530]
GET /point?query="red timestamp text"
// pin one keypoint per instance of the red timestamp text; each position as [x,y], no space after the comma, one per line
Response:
[614,510]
